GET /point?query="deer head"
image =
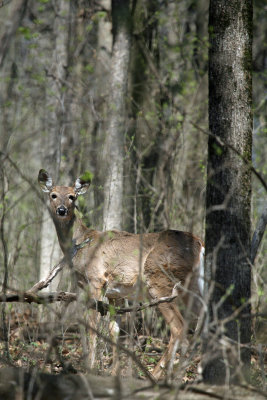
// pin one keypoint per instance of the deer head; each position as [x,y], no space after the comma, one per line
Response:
[62,198]
[62,206]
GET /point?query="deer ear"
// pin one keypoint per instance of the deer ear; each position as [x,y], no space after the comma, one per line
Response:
[82,184]
[45,181]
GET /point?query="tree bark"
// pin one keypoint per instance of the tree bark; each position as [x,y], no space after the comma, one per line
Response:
[114,148]
[228,199]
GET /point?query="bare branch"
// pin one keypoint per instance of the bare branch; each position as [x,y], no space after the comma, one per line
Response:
[222,143]
[147,305]
[5,156]
[160,300]
[45,282]
[29,297]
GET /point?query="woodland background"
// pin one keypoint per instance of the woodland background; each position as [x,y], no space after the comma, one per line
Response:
[57,96]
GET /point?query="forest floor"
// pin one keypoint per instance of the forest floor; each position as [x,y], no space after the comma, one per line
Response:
[63,358]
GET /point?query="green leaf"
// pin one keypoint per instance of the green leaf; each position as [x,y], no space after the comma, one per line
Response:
[87,176]
[112,310]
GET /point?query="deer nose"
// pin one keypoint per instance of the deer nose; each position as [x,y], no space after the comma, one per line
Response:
[62,210]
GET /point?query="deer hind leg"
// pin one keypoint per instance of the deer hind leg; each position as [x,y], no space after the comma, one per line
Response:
[89,331]
[114,330]
[93,318]
[174,319]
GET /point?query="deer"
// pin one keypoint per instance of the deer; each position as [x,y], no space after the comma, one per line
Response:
[113,263]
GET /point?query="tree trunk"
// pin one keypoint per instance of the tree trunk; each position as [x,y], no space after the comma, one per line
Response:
[114,148]
[101,93]
[50,250]
[228,198]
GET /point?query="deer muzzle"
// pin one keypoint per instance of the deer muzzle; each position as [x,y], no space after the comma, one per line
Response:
[62,211]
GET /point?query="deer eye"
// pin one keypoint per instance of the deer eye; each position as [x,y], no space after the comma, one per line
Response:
[72,198]
[54,196]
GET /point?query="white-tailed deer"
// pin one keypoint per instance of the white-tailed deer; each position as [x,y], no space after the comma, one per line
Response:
[114,262]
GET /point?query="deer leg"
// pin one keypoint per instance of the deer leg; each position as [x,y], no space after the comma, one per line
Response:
[114,331]
[93,322]
[175,321]
[92,318]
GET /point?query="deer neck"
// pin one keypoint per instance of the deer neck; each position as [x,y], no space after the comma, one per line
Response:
[79,229]
[64,229]
[70,232]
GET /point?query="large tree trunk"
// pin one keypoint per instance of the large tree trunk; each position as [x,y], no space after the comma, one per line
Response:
[114,149]
[228,198]
[50,250]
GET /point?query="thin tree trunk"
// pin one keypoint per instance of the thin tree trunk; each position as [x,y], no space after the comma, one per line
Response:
[228,198]
[114,149]
[50,250]
[101,93]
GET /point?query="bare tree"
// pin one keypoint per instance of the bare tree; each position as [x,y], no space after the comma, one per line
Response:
[228,197]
